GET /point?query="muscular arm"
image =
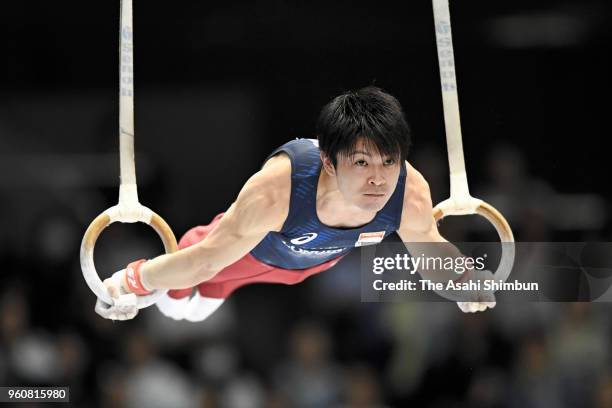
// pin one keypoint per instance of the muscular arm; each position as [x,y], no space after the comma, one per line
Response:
[261,207]
[418,227]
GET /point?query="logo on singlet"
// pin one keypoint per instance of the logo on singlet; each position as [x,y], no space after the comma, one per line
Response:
[304,239]
[370,238]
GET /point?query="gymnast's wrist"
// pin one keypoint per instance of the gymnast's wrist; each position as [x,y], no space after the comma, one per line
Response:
[133,281]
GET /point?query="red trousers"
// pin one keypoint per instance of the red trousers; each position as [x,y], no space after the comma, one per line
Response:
[243,272]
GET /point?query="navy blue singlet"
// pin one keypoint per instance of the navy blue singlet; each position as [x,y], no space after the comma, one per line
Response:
[304,241]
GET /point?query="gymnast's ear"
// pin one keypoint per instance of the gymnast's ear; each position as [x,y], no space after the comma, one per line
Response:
[328,165]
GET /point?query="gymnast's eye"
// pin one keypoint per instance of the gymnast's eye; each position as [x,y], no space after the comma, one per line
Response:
[361,163]
[389,162]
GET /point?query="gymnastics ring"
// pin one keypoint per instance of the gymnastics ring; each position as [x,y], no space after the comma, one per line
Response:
[111,215]
[448,207]
[128,210]
[460,201]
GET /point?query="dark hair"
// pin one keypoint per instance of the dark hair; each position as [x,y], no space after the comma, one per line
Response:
[369,113]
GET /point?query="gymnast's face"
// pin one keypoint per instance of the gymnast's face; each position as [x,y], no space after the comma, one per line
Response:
[365,179]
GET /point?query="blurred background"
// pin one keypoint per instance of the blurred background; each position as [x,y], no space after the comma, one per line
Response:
[220,85]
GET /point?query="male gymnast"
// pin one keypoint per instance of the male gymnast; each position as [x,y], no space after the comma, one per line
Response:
[307,207]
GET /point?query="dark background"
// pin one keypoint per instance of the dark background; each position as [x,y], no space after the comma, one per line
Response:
[217,87]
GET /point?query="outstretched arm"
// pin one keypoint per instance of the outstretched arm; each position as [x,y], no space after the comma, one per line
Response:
[261,206]
[418,229]
[419,232]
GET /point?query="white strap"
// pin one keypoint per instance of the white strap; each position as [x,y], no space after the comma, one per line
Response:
[128,209]
[460,201]
[444,39]
[127,196]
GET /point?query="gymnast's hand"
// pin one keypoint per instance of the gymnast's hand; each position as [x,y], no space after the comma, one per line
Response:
[124,303]
[477,300]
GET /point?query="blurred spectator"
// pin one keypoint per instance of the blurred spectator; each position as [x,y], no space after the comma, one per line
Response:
[580,348]
[309,378]
[422,336]
[244,391]
[535,382]
[362,389]
[488,389]
[603,395]
[152,381]
[215,363]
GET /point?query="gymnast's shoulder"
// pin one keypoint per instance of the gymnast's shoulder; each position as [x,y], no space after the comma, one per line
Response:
[417,206]
[267,193]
